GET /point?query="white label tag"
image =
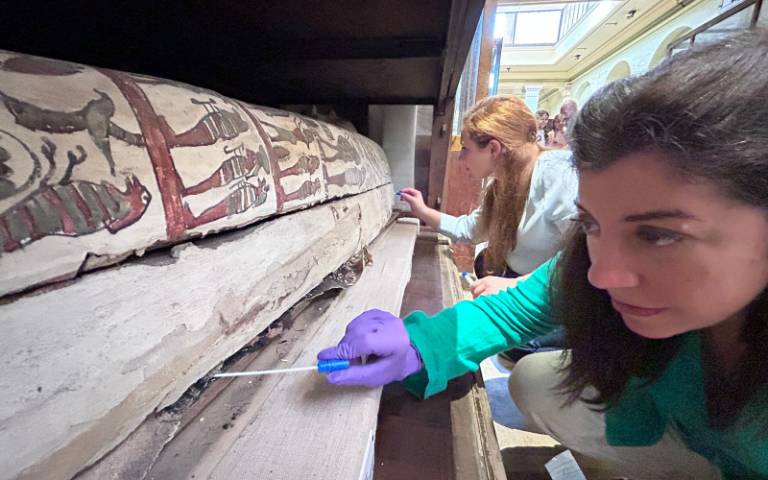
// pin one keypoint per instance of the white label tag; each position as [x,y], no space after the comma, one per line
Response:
[564,467]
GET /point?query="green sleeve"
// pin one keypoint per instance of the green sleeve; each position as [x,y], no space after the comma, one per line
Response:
[457,339]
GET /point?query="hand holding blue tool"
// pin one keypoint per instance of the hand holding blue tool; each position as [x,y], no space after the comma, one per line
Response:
[378,334]
[375,335]
[467,280]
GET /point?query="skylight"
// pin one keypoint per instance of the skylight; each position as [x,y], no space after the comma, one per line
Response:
[537,28]
[538,24]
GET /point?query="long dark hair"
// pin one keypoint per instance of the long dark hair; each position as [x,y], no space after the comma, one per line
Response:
[707,109]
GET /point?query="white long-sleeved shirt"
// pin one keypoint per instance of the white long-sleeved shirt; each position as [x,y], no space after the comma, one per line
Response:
[545,219]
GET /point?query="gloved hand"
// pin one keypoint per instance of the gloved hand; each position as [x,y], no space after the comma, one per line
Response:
[381,337]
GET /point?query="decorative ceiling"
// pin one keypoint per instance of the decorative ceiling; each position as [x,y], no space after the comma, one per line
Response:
[608,26]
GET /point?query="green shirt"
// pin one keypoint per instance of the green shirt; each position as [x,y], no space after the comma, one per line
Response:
[457,339]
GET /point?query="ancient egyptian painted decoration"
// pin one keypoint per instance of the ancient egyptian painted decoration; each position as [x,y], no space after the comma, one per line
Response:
[97,164]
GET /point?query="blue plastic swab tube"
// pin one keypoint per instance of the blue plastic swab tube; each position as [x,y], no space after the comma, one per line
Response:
[323,366]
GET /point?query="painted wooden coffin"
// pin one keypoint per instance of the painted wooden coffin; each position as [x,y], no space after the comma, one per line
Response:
[96,165]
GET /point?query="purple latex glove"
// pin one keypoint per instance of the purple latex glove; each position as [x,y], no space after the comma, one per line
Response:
[381,337]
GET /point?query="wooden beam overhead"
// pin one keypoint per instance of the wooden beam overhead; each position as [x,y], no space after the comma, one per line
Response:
[288,52]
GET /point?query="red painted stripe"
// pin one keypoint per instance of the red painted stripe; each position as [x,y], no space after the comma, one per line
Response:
[279,191]
[10,244]
[82,206]
[68,226]
[168,179]
[29,220]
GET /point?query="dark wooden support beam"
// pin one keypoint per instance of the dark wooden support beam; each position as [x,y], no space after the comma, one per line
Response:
[462,24]
[438,153]
[486,49]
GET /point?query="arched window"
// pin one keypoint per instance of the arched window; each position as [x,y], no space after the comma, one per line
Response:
[582,93]
[661,51]
[620,70]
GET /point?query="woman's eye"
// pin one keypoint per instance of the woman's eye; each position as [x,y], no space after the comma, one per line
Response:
[657,237]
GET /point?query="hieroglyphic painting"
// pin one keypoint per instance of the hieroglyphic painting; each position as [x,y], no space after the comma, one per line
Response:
[96,163]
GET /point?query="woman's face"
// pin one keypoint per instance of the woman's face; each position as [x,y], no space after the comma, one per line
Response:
[674,256]
[481,161]
[558,123]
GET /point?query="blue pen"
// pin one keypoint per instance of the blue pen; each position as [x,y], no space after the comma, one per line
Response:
[323,366]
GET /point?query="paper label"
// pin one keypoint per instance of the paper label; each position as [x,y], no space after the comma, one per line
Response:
[564,467]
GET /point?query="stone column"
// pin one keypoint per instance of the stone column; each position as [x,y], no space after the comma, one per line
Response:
[398,139]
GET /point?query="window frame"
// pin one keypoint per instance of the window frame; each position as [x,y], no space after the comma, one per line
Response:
[575,11]
[559,28]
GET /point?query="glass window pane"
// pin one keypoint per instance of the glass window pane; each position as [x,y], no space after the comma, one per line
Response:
[504,26]
[500,25]
[537,27]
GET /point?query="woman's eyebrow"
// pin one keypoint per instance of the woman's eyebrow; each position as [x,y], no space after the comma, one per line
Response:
[651,215]
[660,215]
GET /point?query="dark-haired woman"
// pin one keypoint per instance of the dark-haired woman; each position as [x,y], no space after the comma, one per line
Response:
[663,289]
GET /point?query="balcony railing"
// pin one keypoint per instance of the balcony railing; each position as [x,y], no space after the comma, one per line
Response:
[572,13]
